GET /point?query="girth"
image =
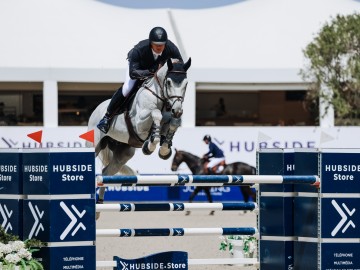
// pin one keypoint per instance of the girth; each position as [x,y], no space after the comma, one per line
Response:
[134,139]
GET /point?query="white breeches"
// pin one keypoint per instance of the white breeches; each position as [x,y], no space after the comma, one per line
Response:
[214,161]
[129,83]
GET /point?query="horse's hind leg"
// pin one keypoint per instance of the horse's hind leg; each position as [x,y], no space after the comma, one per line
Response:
[121,154]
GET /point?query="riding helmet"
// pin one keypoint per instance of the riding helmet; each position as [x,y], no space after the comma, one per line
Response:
[207,137]
[158,35]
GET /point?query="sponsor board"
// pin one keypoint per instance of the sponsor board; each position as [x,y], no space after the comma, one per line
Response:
[238,143]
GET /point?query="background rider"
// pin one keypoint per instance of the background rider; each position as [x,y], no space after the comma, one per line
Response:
[215,155]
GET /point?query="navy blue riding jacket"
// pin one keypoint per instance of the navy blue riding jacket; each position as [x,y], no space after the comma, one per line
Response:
[214,151]
[142,62]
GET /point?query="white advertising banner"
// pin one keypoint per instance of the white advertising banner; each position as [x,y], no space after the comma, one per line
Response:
[238,143]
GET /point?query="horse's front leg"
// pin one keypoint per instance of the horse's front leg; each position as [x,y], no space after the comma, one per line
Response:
[149,145]
[166,141]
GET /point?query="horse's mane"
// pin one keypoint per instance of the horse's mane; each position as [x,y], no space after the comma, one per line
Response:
[189,154]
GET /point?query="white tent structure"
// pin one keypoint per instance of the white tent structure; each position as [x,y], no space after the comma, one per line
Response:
[242,42]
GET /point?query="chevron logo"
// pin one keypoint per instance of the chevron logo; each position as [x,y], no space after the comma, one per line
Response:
[6,215]
[37,226]
[124,265]
[177,232]
[183,180]
[344,218]
[126,232]
[125,207]
[73,221]
[236,179]
[178,207]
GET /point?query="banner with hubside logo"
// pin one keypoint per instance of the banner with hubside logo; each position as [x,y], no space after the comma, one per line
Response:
[169,260]
[67,168]
[59,208]
[11,190]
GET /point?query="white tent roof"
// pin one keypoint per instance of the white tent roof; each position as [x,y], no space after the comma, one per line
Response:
[240,41]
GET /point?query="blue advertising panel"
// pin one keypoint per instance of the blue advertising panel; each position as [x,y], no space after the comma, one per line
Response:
[71,257]
[271,162]
[276,216]
[59,171]
[306,217]
[305,256]
[276,210]
[340,256]
[169,260]
[60,220]
[10,171]
[182,193]
[340,172]
[270,259]
[11,216]
[342,217]
[135,193]
[306,163]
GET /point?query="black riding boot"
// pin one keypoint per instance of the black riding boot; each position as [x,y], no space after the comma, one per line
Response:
[115,105]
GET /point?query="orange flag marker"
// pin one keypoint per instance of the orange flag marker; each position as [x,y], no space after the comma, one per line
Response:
[88,136]
[36,136]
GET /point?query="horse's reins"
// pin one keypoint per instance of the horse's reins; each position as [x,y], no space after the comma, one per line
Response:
[163,98]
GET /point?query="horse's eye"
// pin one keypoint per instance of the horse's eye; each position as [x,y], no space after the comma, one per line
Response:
[169,83]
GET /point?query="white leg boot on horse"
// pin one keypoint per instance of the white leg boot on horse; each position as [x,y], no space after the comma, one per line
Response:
[166,141]
[150,144]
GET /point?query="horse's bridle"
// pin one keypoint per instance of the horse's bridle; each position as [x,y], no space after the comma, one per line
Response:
[163,88]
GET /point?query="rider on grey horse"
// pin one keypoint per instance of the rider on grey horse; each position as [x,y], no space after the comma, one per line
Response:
[144,59]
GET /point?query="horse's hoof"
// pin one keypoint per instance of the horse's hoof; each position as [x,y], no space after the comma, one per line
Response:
[97,215]
[165,157]
[145,148]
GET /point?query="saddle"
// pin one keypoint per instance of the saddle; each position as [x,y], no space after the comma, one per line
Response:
[129,100]
[217,169]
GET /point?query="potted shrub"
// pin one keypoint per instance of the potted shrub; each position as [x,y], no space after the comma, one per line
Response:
[239,246]
[16,254]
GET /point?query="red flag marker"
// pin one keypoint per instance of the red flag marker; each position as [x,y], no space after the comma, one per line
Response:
[88,136]
[36,136]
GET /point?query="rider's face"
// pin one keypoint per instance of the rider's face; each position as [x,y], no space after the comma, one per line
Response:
[158,48]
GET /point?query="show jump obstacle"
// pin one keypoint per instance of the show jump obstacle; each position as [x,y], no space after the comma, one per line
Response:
[49,194]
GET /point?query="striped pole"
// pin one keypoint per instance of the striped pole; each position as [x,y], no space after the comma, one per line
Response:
[203,180]
[129,207]
[175,232]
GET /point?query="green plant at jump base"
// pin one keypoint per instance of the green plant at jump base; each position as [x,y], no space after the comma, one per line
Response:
[249,243]
[15,253]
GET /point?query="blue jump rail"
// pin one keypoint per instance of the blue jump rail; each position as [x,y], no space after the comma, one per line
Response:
[208,180]
[176,207]
[175,232]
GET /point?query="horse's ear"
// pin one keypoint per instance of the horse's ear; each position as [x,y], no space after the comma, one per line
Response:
[187,64]
[175,150]
[170,64]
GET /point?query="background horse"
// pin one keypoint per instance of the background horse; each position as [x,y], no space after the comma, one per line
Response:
[196,166]
[152,118]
